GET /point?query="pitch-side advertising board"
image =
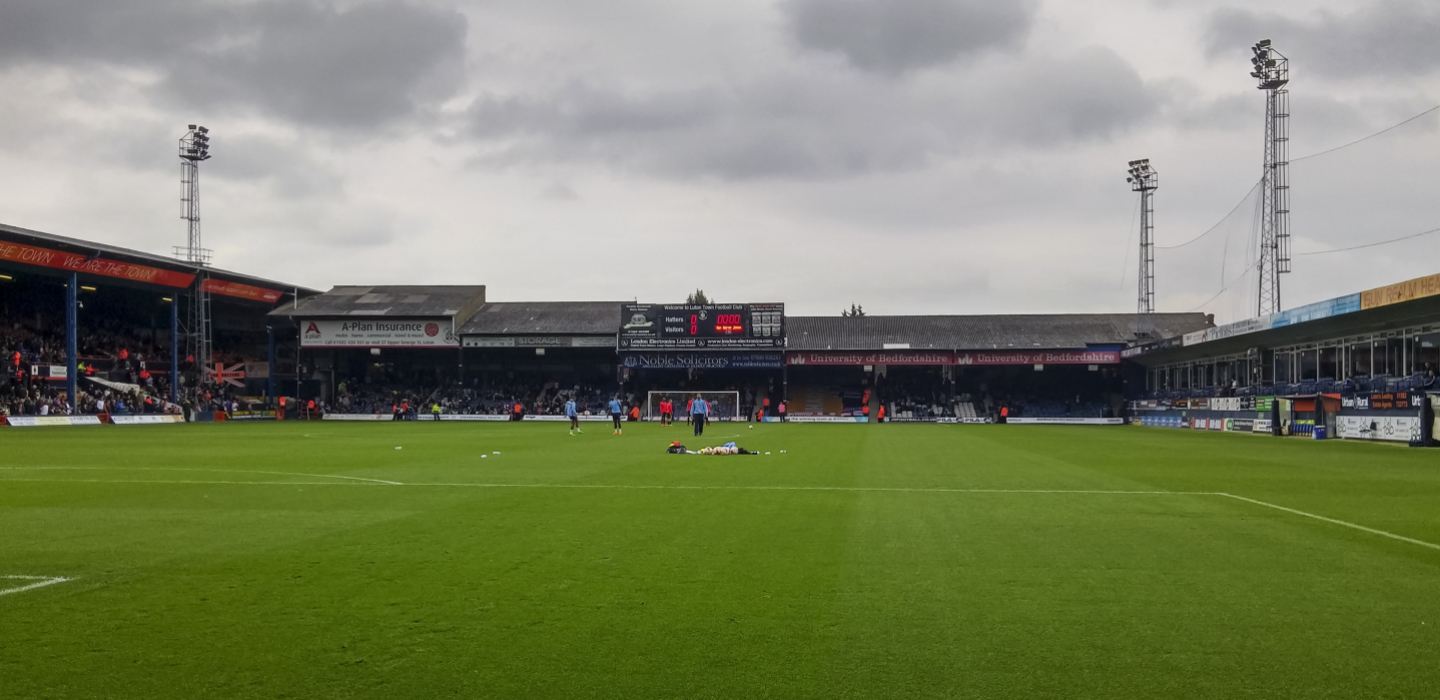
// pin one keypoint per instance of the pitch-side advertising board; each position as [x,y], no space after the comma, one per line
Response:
[150,419]
[49,421]
[1389,428]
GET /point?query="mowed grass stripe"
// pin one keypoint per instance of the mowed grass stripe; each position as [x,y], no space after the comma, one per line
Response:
[847,569]
[357,481]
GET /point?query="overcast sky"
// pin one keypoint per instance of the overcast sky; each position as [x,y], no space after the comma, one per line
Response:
[912,156]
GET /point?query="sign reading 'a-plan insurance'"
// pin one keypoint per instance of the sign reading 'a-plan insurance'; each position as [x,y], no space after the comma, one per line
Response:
[379,333]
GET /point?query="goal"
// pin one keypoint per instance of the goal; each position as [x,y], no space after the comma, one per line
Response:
[724,405]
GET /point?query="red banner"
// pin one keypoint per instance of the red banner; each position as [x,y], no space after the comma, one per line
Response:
[73,262]
[908,357]
[1043,357]
[921,357]
[243,291]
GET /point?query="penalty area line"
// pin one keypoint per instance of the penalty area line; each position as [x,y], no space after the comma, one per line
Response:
[39,582]
[1342,523]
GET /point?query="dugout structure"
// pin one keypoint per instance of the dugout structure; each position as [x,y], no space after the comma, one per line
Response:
[724,405]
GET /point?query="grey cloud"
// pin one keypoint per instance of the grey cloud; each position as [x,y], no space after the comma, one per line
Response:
[66,31]
[560,192]
[364,235]
[286,169]
[1223,113]
[1090,94]
[816,126]
[894,36]
[308,61]
[1386,39]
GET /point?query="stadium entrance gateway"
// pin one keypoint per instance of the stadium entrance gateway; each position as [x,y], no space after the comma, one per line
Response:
[672,351]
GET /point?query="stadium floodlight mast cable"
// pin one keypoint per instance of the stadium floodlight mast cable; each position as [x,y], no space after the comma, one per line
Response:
[1272,70]
[1145,180]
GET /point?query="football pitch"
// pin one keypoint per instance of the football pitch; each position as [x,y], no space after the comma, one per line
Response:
[315,560]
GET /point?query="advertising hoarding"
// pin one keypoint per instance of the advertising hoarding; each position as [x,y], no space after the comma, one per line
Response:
[379,333]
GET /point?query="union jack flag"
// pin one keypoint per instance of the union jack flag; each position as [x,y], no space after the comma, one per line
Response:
[232,375]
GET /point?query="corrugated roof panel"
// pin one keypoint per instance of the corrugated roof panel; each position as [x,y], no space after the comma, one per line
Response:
[409,301]
[545,318]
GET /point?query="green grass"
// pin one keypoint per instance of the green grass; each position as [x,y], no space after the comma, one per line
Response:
[207,565]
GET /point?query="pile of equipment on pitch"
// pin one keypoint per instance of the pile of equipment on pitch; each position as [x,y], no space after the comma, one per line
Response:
[728,448]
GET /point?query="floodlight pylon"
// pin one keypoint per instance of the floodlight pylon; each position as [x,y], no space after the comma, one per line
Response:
[195,147]
[1272,71]
[1145,180]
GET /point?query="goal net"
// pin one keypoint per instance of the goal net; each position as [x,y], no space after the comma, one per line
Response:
[724,405]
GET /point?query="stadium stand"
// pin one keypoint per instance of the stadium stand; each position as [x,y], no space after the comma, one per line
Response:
[1018,332]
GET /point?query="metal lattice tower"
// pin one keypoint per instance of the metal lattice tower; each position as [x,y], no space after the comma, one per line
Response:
[1145,180]
[1272,70]
[195,147]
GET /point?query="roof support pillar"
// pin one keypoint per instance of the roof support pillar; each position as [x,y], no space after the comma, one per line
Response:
[72,302]
[270,357]
[174,349]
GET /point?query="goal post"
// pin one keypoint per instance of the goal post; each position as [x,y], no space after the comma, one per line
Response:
[724,405]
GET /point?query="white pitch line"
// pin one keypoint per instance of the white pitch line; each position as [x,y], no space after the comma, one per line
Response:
[41,581]
[179,481]
[213,471]
[681,487]
[1362,528]
[337,476]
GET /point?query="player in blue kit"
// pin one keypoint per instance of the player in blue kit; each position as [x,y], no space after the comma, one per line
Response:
[615,411]
[574,417]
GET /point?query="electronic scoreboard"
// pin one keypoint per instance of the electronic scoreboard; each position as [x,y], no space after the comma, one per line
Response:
[702,326]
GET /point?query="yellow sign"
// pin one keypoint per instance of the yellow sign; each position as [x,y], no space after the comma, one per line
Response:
[1400,292]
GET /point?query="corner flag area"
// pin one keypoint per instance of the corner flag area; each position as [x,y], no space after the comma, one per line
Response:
[508,560]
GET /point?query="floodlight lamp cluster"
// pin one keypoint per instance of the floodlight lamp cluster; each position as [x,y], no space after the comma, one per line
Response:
[1269,67]
[1142,176]
[195,145]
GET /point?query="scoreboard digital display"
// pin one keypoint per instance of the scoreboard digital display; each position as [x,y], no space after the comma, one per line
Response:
[702,326]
